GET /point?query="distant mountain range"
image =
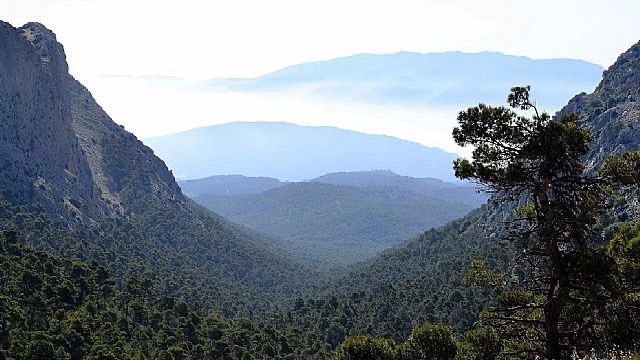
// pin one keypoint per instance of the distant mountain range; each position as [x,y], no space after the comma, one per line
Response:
[437,84]
[336,219]
[230,185]
[294,153]
[434,79]
[434,188]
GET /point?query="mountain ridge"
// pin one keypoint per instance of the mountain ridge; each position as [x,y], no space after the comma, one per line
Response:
[444,78]
[335,225]
[293,153]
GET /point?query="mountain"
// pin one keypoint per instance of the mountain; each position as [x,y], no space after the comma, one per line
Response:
[293,153]
[228,185]
[434,79]
[78,185]
[41,157]
[434,188]
[422,280]
[335,225]
[612,111]
[438,84]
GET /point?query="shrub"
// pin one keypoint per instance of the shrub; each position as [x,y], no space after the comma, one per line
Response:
[364,348]
[429,342]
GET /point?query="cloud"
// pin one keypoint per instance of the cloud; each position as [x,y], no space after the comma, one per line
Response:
[149,108]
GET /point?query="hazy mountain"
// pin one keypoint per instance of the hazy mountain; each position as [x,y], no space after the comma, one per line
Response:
[443,82]
[293,153]
[79,185]
[434,188]
[436,79]
[335,225]
[227,185]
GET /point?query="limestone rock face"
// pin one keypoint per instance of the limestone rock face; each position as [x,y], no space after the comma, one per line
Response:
[61,153]
[58,148]
[612,111]
[41,160]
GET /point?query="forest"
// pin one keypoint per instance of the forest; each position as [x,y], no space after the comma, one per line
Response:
[103,256]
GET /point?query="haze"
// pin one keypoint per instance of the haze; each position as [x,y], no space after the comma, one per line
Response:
[222,39]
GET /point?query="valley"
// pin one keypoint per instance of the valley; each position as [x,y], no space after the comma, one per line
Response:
[338,219]
[273,240]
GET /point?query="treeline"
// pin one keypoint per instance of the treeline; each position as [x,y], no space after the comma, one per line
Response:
[56,308]
[226,281]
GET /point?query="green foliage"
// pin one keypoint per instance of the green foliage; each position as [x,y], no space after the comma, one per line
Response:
[526,211]
[307,220]
[484,344]
[364,348]
[625,248]
[54,308]
[558,282]
[480,275]
[429,342]
[426,342]
[623,168]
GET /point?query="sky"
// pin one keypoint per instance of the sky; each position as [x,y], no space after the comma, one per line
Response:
[199,39]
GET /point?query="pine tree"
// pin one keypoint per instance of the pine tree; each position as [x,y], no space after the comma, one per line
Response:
[561,274]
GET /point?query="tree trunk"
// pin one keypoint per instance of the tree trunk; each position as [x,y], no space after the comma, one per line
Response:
[552,327]
[558,291]
[557,296]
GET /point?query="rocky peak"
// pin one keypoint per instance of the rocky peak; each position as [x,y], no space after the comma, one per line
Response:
[58,148]
[40,156]
[51,52]
[621,82]
[612,111]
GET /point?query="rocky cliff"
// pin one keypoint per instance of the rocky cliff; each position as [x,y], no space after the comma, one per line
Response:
[41,159]
[58,148]
[63,159]
[612,111]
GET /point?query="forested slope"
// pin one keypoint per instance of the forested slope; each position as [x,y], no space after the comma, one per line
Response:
[68,164]
[331,225]
[57,308]
[429,270]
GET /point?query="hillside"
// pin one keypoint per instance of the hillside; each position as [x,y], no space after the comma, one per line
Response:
[433,79]
[434,188]
[293,153]
[55,308]
[79,185]
[228,185]
[420,281]
[423,279]
[335,225]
